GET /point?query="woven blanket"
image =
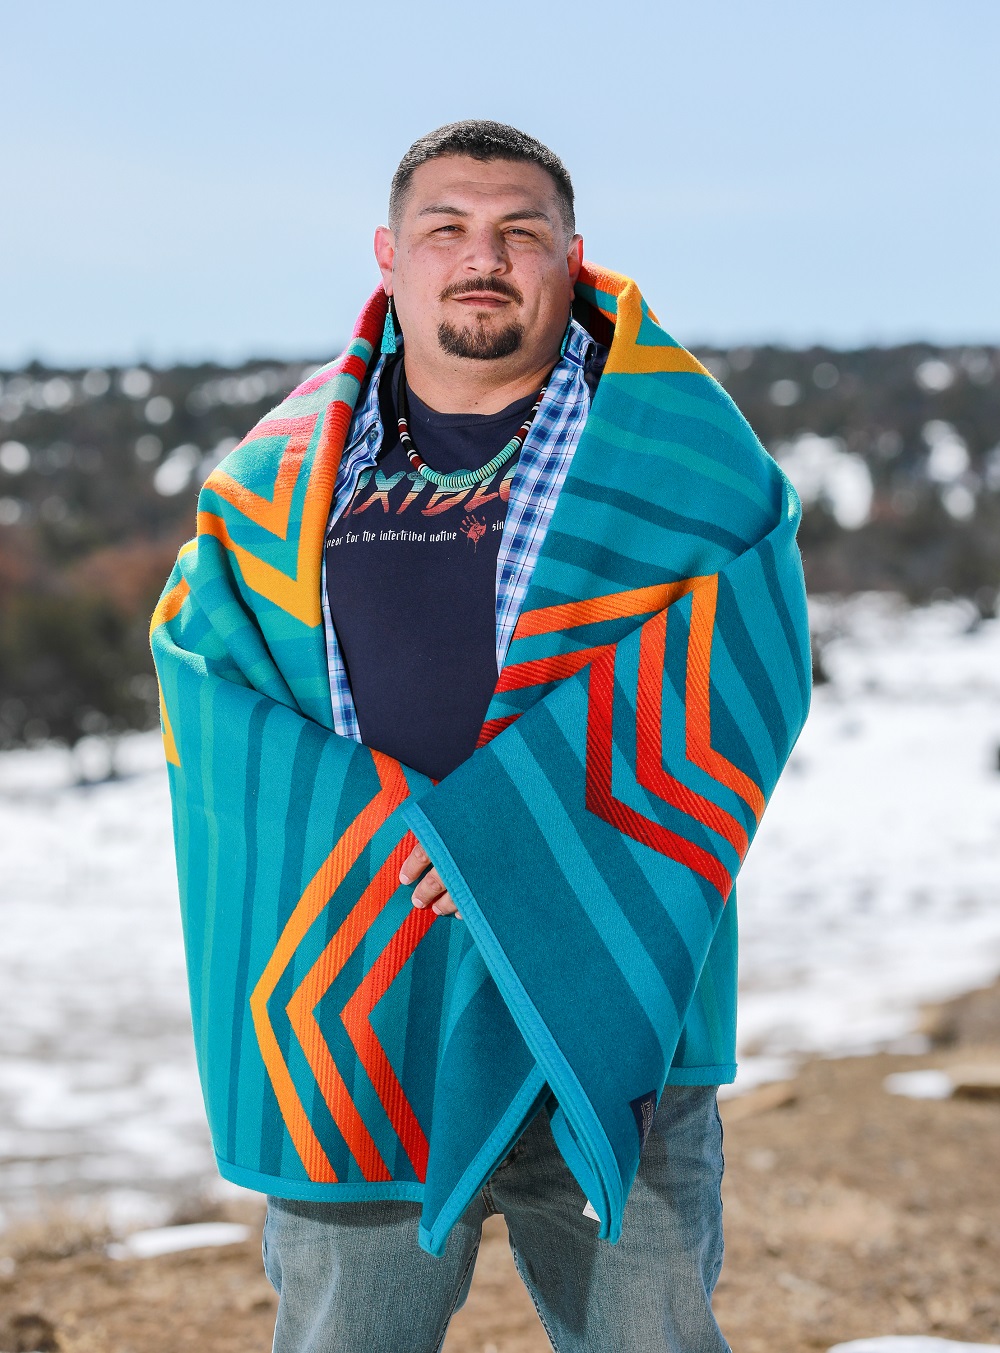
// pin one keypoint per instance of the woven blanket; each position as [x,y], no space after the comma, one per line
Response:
[351,1046]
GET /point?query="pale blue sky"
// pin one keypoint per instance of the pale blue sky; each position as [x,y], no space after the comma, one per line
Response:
[201,179]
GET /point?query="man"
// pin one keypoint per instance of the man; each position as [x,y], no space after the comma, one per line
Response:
[475,680]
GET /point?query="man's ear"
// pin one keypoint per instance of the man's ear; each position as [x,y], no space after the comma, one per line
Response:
[574,257]
[385,254]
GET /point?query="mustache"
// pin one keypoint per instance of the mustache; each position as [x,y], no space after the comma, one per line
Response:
[494,284]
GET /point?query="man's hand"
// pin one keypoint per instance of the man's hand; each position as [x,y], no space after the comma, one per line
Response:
[430,891]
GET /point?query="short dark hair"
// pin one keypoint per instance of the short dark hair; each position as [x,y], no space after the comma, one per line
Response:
[482,140]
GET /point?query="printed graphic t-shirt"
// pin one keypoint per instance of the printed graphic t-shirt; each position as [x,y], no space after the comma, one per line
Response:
[411,583]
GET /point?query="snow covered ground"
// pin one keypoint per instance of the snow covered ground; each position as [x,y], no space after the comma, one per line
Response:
[873,886]
[98,1091]
[874,882]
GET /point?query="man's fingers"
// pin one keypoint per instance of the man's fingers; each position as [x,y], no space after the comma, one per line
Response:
[414,864]
[429,889]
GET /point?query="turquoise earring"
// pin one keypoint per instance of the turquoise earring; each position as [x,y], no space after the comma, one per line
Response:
[565,342]
[389,331]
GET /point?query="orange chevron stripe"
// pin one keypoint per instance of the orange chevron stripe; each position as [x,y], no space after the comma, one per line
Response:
[348,363]
[167,608]
[171,602]
[611,606]
[321,888]
[603,279]
[356,1018]
[568,615]
[270,513]
[492,727]
[556,668]
[299,595]
[698,701]
[314,987]
[601,800]
[650,770]
[170,751]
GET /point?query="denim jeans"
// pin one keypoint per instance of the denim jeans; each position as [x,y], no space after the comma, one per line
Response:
[352,1278]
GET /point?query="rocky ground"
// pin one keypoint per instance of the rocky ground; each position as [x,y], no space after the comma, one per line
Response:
[850,1212]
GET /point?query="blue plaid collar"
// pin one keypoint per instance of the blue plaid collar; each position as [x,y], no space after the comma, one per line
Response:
[579,350]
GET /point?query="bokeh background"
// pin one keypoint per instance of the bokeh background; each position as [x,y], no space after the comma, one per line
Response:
[808,196]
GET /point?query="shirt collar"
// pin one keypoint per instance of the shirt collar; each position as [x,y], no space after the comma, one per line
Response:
[366,414]
[579,349]
[579,346]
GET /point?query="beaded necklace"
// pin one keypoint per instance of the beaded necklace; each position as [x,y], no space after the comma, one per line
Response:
[460,479]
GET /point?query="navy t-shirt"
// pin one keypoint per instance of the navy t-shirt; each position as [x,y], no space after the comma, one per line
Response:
[411,582]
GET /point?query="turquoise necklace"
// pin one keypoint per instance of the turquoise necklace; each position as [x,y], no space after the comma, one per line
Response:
[460,479]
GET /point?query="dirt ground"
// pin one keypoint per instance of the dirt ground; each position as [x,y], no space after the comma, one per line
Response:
[849,1212]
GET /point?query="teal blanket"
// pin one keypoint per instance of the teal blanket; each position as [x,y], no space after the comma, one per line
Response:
[351,1046]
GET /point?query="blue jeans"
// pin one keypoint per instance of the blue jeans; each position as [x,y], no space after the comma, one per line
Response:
[351,1276]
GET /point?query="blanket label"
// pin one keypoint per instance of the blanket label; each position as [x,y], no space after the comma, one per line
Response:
[644,1107]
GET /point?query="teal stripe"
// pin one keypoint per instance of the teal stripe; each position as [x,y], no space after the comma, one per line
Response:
[556,1070]
[597,902]
[602,299]
[682,455]
[211,882]
[240,1013]
[434,1238]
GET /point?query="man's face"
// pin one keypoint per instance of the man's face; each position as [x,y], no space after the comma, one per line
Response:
[481,267]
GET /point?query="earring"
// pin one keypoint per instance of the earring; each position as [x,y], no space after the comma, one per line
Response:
[389,331]
[565,341]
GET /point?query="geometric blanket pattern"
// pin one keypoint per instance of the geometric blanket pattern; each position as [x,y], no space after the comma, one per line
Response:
[352,1047]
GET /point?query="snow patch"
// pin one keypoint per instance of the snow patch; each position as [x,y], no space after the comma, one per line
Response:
[927,1084]
[824,471]
[173,1239]
[909,1343]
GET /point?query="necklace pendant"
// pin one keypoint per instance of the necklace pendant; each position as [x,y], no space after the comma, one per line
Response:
[460,479]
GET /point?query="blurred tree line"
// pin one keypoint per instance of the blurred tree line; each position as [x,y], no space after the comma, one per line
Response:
[896,452]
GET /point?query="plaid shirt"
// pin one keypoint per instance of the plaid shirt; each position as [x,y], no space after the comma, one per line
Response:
[541,469]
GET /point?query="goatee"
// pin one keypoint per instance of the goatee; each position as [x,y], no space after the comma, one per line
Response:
[480,343]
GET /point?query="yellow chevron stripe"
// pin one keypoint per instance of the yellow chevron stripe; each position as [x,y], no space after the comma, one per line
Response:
[628,357]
